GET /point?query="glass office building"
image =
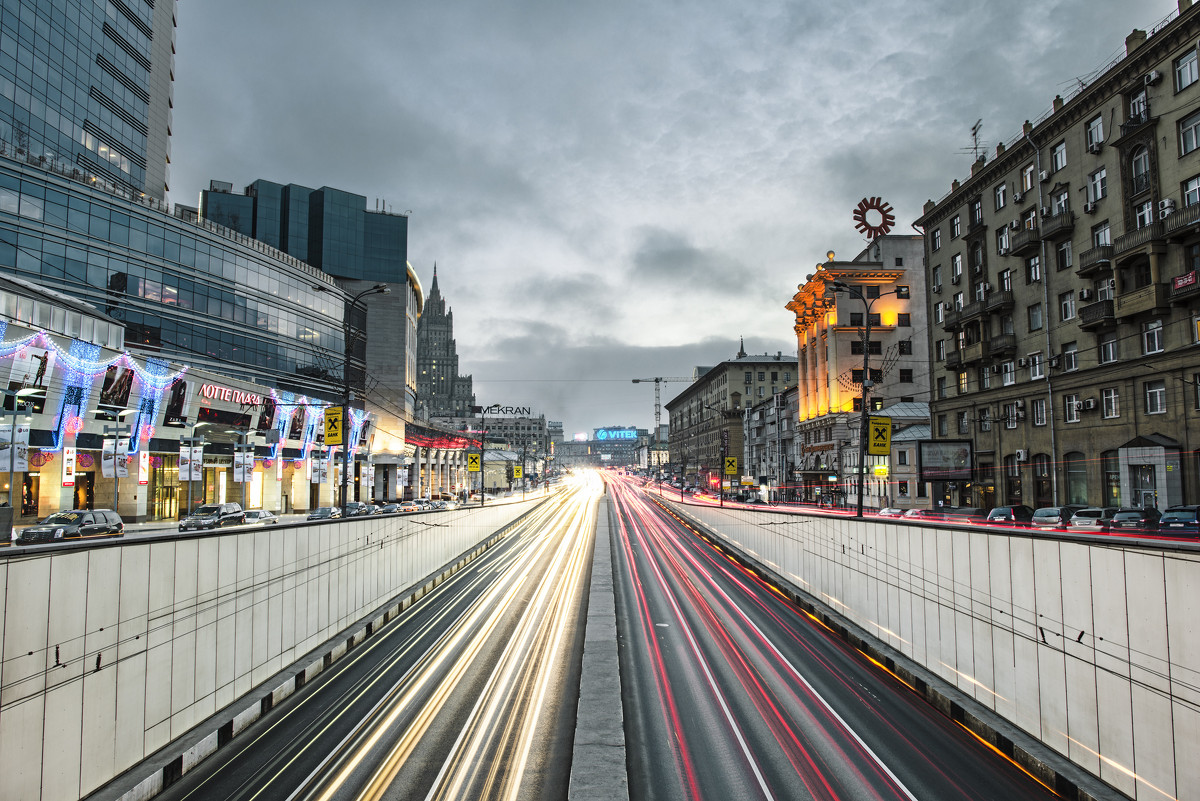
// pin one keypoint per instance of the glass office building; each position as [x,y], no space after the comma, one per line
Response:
[86,85]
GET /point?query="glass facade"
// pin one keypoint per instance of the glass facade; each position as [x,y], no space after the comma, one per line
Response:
[177,287]
[76,89]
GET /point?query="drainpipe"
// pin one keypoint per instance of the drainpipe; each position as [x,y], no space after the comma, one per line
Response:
[1045,266]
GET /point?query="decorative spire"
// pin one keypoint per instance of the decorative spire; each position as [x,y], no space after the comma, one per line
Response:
[742,349]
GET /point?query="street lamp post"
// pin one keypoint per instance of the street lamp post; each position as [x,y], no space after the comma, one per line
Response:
[119,427]
[867,383]
[241,448]
[191,443]
[18,408]
[378,289]
[724,455]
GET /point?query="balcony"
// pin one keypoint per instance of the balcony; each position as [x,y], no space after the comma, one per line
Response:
[975,353]
[954,360]
[972,311]
[1135,242]
[1026,240]
[1147,298]
[1095,315]
[1098,259]
[1003,345]
[1058,224]
[998,302]
[1183,221]
[953,319]
[1185,287]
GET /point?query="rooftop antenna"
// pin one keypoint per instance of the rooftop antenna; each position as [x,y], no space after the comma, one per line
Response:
[975,137]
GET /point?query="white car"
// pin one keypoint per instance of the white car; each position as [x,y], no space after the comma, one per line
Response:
[261,517]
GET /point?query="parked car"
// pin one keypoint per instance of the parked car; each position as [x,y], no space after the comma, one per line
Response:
[389,509]
[1010,516]
[1135,520]
[372,509]
[1092,519]
[409,506]
[214,515]
[924,514]
[1054,517]
[355,509]
[1180,521]
[890,511]
[448,505]
[325,513]
[77,524]
[261,517]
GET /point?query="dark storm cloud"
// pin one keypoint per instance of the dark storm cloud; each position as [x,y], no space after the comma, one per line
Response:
[606,185]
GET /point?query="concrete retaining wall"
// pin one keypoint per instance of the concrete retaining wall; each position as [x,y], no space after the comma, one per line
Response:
[112,652]
[1092,648]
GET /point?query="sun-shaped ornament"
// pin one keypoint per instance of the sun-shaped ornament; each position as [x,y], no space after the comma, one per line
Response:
[873,217]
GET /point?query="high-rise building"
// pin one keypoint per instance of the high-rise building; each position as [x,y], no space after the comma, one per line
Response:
[86,85]
[1064,285]
[441,391]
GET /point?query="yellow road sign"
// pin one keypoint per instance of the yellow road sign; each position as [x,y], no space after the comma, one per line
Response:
[731,468]
[472,462]
[518,471]
[879,436]
[333,425]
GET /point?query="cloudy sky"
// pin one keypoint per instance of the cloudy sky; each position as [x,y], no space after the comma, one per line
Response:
[623,189]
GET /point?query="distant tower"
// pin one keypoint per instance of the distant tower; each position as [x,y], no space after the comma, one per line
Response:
[440,388]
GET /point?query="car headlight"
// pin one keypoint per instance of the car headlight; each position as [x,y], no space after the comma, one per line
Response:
[58,533]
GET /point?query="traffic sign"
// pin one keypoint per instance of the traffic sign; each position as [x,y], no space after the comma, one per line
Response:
[731,468]
[472,462]
[879,436]
[333,425]
[518,471]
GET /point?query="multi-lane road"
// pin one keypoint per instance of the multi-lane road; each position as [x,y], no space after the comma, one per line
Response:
[727,690]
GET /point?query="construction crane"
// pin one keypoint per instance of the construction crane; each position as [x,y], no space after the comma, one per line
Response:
[658,382]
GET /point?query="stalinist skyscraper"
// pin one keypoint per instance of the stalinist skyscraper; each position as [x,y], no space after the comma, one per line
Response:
[441,391]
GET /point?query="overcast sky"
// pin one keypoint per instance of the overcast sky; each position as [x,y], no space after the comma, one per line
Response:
[623,189]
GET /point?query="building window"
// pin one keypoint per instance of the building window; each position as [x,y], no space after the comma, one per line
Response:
[1097,187]
[1066,305]
[1027,177]
[1095,131]
[1060,202]
[1152,337]
[955,226]
[1010,415]
[956,268]
[872,292]
[985,419]
[1035,317]
[1001,195]
[1104,288]
[939,349]
[905,347]
[1033,269]
[1185,70]
[1101,234]
[1191,191]
[1036,366]
[1005,280]
[941,425]
[941,387]
[936,244]
[1002,240]
[762,375]
[1143,214]
[1008,373]
[935,276]
[1062,255]
[958,301]
[1070,356]
[906,375]
[1156,397]
[1189,135]
[962,382]
[1058,157]
[963,426]
[1108,348]
[902,457]
[1039,411]
[976,212]
[985,377]
[1111,402]
[903,320]
[1071,408]
[1138,107]
[856,319]
[1139,165]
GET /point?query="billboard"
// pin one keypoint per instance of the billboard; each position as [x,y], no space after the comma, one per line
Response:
[945,459]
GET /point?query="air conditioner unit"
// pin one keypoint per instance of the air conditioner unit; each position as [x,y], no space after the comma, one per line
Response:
[1044,176]
[1095,147]
[996,369]
[1022,362]
[1003,251]
[1018,195]
[954,279]
[1015,225]
[1089,404]
[1152,77]
[1022,455]
[1053,361]
[1085,294]
[986,286]
[1166,204]
[1089,208]
[1165,213]
[1112,285]
[1047,211]
[1020,404]
[937,289]
[1020,415]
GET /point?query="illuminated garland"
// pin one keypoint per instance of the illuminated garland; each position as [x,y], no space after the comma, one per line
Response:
[76,388]
[285,409]
[153,387]
[358,417]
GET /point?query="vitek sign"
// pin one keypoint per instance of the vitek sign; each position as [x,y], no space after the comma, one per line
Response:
[611,434]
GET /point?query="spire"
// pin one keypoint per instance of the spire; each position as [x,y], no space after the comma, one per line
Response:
[742,349]
[434,287]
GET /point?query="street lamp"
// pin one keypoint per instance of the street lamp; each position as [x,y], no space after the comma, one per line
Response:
[867,383]
[120,427]
[18,407]
[378,289]
[191,443]
[724,455]
[241,448]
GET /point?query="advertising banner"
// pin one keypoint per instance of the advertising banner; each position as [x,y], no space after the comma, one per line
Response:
[122,458]
[185,463]
[106,458]
[17,451]
[143,467]
[32,368]
[179,402]
[197,463]
[279,468]
[68,468]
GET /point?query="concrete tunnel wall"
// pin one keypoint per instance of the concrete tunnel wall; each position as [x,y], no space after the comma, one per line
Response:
[111,652]
[1091,647]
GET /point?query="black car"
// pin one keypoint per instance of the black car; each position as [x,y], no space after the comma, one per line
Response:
[389,509]
[1135,520]
[77,524]
[1180,521]
[325,513]
[1011,516]
[213,515]
[355,509]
